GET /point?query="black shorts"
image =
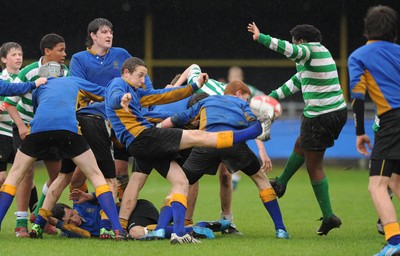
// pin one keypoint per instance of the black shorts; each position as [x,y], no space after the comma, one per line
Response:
[387,138]
[119,149]
[320,133]
[120,153]
[206,161]
[65,143]
[382,167]
[7,152]
[16,138]
[52,154]
[144,214]
[96,133]
[107,168]
[155,148]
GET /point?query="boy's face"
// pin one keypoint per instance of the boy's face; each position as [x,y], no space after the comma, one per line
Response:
[72,217]
[136,78]
[103,37]
[56,54]
[14,58]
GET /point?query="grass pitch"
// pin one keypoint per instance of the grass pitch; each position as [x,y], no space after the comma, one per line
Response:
[349,197]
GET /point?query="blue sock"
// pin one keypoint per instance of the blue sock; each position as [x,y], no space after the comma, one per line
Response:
[178,212]
[247,134]
[164,218]
[107,203]
[394,240]
[275,213]
[40,221]
[5,203]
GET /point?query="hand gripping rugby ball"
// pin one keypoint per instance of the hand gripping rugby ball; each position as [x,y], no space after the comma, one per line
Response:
[264,105]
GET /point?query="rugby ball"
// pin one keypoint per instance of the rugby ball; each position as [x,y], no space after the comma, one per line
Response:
[264,105]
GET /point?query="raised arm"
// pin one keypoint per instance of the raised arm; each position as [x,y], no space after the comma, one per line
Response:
[296,52]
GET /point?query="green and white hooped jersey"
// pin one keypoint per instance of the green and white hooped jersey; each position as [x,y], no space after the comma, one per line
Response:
[317,77]
[5,119]
[212,87]
[24,102]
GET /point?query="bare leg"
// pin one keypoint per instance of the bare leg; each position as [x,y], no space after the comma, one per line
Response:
[131,194]
[55,190]
[394,184]
[121,167]
[225,189]
[24,191]
[178,180]
[18,170]
[192,198]
[78,179]
[2,177]
[377,188]
[314,162]
[53,168]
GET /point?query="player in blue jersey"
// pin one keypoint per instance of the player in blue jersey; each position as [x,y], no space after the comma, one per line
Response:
[222,113]
[99,64]
[85,214]
[52,47]
[55,127]
[375,69]
[157,148]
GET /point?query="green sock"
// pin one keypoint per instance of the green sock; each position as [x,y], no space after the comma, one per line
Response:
[294,162]
[39,204]
[321,191]
[21,222]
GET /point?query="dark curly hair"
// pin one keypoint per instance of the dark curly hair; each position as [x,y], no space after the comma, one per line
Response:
[306,32]
[58,211]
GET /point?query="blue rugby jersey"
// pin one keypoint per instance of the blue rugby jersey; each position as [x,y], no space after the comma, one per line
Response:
[128,126]
[380,78]
[54,103]
[101,69]
[217,113]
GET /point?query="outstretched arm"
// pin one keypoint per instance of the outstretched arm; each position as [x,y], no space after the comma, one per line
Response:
[252,28]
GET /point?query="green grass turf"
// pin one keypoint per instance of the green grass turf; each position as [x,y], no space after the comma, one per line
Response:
[349,197]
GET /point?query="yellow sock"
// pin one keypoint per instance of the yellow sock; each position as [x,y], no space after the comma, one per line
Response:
[124,223]
[267,195]
[46,214]
[391,230]
[9,189]
[102,189]
[179,198]
[224,139]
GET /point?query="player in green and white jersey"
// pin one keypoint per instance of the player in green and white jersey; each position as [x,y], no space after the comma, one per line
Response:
[11,60]
[324,114]
[20,109]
